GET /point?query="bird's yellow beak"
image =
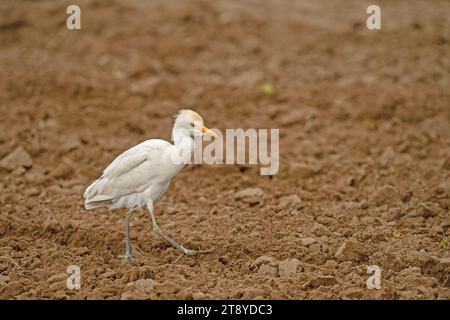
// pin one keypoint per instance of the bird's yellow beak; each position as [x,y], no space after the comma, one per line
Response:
[205,130]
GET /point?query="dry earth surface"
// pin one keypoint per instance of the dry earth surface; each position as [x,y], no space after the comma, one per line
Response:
[364,122]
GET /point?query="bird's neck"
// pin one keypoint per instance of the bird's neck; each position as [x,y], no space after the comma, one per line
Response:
[181,136]
[183,145]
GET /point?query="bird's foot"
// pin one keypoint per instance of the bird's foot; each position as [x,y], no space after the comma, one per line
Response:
[185,251]
[127,256]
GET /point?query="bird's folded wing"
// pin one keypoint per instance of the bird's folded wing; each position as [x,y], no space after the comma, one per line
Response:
[126,175]
[124,164]
[132,171]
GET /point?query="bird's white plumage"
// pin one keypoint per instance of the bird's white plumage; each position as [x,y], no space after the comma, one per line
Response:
[143,173]
[134,178]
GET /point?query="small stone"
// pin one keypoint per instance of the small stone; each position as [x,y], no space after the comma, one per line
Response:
[106,275]
[63,170]
[142,289]
[323,281]
[144,86]
[291,202]
[444,188]
[71,143]
[171,210]
[351,250]
[252,293]
[18,171]
[275,295]
[251,196]
[60,295]
[410,271]
[290,118]
[198,296]
[288,267]
[51,225]
[330,265]
[436,230]
[4,280]
[16,159]
[354,221]
[81,251]
[297,116]
[224,260]
[387,158]
[303,171]
[353,293]
[51,124]
[268,270]
[320,230]
[407,197]
[264,260]
[412,278]
[446,164]
[429,209]
[185,294]
[364,205]
[315,248]
[166,288]
[386,195]
[393,214]
[406,295]
[307,241]
[444,294]
[10,290]
[57,278]
[31,192]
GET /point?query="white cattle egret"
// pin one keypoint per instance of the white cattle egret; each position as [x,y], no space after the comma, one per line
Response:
[141,175]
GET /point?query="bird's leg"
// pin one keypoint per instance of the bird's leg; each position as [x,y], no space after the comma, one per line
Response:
[161,232]
[127,255]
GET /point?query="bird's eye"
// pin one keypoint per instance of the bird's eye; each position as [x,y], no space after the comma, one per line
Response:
[192,125]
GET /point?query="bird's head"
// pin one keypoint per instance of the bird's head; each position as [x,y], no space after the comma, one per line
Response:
[191,122]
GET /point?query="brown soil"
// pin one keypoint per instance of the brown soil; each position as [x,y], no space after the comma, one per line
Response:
[364,124]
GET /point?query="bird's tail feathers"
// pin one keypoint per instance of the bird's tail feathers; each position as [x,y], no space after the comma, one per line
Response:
[98,201]
[90,191]
[95,200]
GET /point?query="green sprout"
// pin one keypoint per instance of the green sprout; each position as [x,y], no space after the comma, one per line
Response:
[266,88]
[443,243]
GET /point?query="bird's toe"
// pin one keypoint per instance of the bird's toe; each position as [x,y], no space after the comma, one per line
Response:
[127,257]
[188,251]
